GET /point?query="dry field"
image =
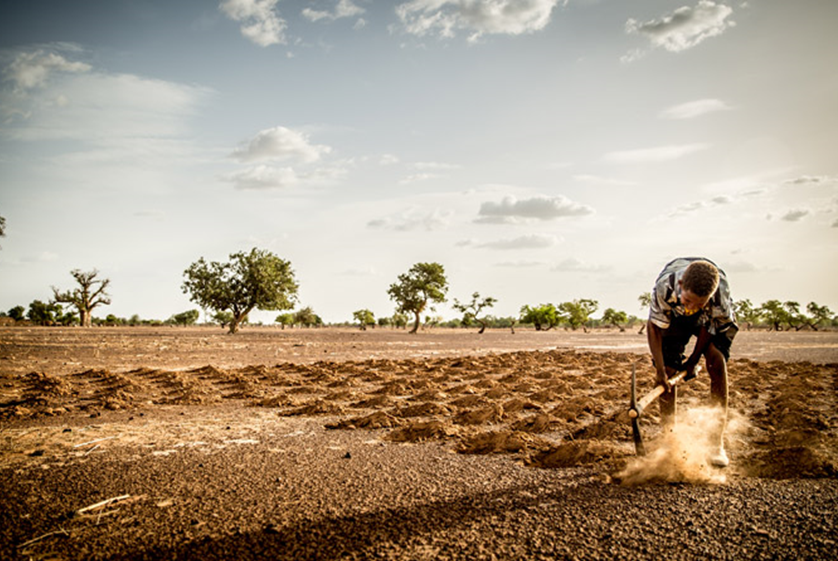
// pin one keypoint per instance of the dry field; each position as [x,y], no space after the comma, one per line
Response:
[336,443]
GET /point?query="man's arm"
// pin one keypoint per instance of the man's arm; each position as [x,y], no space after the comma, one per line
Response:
[701,343]
[655,338]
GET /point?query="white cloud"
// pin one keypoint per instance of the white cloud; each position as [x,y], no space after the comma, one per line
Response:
[417,177]
[657,154]
[795,215]
[597,180]
[263,177]
[113,112]
[510,209]
[446,17]
[810,180]
[426,171]
[260,21]
[693,109]
[413,219]
[700,205]
[280,143]
[33,69]
[684,28]
[529,241]
[343,9]
[520,264]
[573,265]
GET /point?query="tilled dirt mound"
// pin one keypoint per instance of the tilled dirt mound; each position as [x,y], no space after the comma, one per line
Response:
[550,408]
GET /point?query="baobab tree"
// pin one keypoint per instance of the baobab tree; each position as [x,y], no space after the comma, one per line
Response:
[89,294]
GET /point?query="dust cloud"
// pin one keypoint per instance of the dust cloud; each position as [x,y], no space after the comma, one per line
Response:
[680,454]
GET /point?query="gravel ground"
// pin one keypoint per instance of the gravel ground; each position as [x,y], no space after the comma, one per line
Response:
[164,444]
[257,486]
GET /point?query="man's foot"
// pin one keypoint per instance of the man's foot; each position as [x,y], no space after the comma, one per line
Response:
[718,458]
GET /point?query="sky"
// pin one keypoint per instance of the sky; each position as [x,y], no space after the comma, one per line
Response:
[540,150]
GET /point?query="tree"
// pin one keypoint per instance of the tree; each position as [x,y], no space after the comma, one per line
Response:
[399,320]
[285,320]
[17,313]
[307,318]
[225,318]
[41,313]
[612,317]
[544,317]
[423,283]
[255,280]
[90,294]
[820,314]
[746,313]
[578,312]
[471,311]
[794,318]
[189,317]
[364,317]
[774,313]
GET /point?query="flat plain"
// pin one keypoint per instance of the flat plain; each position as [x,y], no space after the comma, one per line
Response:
[336,443]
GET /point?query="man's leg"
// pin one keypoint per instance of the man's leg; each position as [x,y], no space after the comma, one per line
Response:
[717,369]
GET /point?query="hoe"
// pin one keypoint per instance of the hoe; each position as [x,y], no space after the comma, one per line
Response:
[638,406]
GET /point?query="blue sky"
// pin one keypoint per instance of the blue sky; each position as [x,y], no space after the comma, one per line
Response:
[541,150]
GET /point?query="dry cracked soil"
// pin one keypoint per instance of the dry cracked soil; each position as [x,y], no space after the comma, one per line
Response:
[164,443]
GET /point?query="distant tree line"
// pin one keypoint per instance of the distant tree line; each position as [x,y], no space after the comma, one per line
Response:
[258,279]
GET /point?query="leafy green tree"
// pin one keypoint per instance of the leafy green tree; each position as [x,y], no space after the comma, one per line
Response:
[399,320]
[616,318]
[774,313]
[384,322]
[578,312]
[17,313]
[423,283]
[225,318]
[544,316]
[365,318]
[471,311]
[43,313]
[255,280]
[307,318]
[90,294]
[113,320]
[189,317]
[746,313]
[285,320]
[819,314]
[795,319]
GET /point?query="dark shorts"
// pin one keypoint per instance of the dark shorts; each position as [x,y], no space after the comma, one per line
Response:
[680,331]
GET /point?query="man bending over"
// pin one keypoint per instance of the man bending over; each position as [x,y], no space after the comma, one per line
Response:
[691,297]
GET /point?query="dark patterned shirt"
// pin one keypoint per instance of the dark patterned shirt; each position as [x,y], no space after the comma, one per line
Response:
[666,304]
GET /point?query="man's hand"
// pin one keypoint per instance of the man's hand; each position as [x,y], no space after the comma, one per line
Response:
[662,378]
[691,367]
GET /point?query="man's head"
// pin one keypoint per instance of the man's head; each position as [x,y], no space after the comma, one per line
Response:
[699,283]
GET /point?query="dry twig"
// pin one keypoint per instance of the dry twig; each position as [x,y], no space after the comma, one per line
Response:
[102,503]
[48,534]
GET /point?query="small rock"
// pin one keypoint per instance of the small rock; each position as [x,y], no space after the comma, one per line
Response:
[347,456]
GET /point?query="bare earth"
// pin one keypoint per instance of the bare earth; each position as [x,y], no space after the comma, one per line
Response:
[330,444]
